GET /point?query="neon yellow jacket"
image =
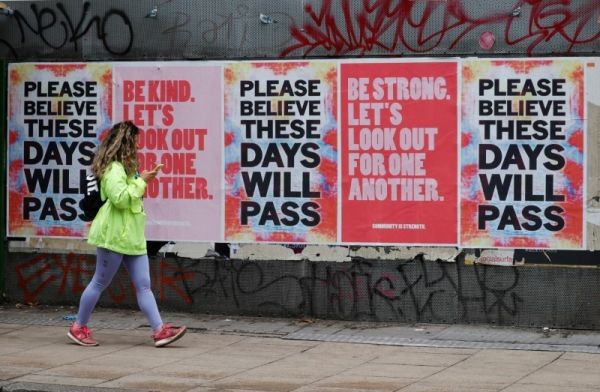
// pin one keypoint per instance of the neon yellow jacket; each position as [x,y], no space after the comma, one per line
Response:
[120,223]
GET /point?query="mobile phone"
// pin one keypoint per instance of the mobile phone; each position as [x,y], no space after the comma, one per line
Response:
[158,167]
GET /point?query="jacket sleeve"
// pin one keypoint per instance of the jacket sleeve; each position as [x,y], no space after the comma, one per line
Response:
[122,193]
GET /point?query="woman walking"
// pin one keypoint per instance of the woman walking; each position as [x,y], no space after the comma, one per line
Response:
[118,233]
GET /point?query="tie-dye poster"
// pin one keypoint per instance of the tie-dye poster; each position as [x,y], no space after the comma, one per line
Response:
[281,151]
[523,155]
[56,113]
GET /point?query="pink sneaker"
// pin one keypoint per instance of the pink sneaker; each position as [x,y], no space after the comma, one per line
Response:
[81,335]
[167,334]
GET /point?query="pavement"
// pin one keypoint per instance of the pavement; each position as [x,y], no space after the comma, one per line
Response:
[245,354]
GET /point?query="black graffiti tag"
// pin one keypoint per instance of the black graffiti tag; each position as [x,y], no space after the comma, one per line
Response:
[46,22]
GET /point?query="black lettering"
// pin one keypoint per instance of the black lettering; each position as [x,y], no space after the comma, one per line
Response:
[310,209]
[30,204]
[33,152]
[29,108]
[534,222]
[288,209]
[246,108]
[509,218]
[248,209]
[35,178]
[313,87]
[300,86]
[269,213]
[485,108]
[250,154]
[485,84]
[68,210]
[497,184]
[533,153]
[86,149]
[486,213]
[255,180]
[306,192]
[272,155]
[558,87]
[245,86]
[49,210]
[513,157]
[529,189]
[553,214]
[290,151]
[544,88]
[550,196]
[312,157]
[496,155]
[552,151]
[29,87]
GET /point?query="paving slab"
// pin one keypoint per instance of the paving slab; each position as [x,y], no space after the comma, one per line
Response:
[104,372]
[8,372]
[59,380]
[566,373]
[420,358]
[192,371]
[260,383]
[419,387]
[36,387]
[250,354]
[546,388]
[150,382]
[365,383]
[394,370]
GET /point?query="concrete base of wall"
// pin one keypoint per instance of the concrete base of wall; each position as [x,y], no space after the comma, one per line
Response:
[406,291]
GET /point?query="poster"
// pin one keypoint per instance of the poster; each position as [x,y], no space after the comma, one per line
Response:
[523,158]
[357,151]
[56,114]
[399,152]
[281,151]
[178,110]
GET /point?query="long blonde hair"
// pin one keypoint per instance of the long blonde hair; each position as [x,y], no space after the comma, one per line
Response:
[119,145]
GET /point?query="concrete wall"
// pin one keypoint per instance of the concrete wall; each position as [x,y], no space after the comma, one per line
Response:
[372,283]
[408,291]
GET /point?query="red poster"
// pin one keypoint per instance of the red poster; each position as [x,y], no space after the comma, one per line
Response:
[399,152]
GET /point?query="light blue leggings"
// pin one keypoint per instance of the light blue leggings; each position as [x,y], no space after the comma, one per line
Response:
[107,265]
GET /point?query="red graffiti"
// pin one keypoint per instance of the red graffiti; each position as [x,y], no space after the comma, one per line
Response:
[390,25]
[53,270]
[58,273]
[173,277]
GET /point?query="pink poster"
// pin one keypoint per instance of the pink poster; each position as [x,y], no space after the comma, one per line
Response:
[178,109]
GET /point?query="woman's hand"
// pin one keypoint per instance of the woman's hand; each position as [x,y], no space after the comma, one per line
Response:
[148,175]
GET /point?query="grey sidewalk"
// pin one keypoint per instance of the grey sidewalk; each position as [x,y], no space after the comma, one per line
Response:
[225,353]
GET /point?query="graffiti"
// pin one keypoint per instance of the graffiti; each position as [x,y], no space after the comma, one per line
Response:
[235,29]
[498,297]
[7,44]
[56,275]
[223,28]
[390,25]
[225,31]
[168,278]
[58,29]
[411,291]
[415,291]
